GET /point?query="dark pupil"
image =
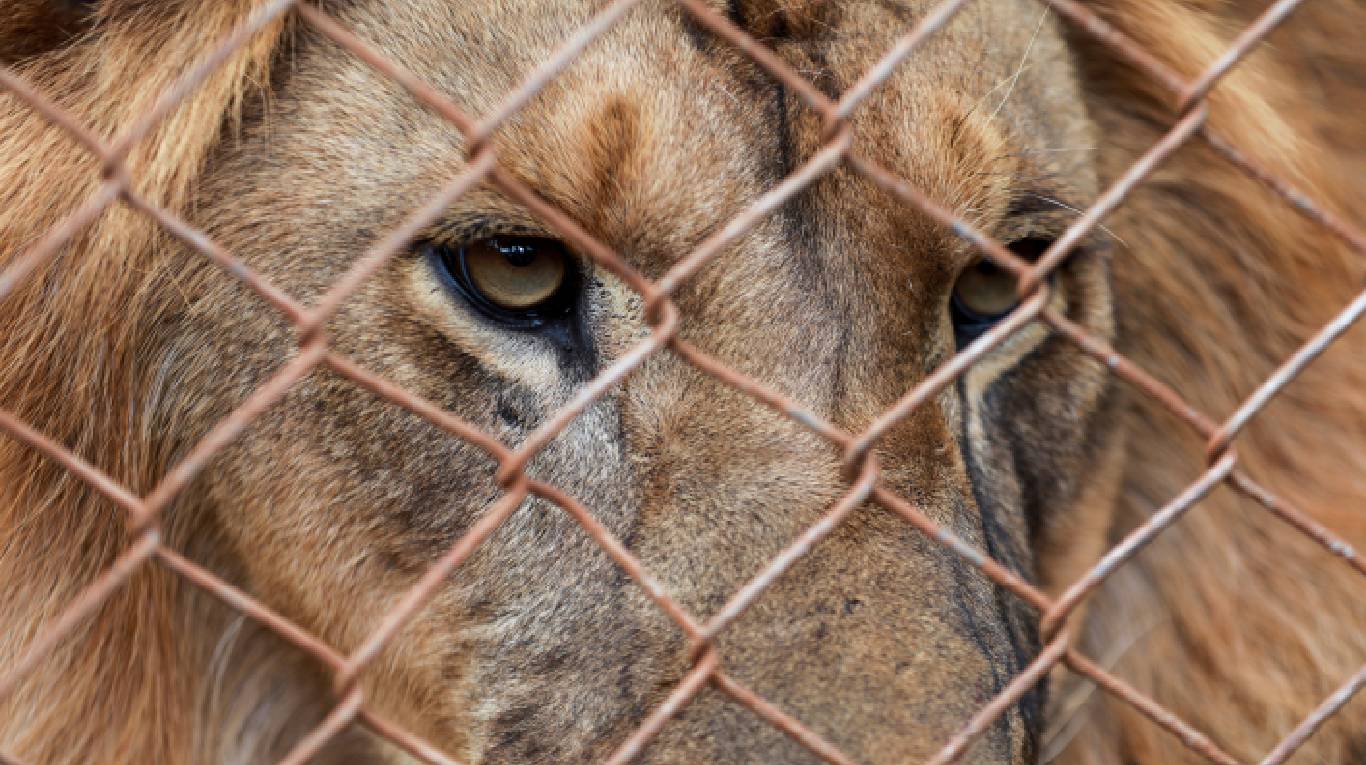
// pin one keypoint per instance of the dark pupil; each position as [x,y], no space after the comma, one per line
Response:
[519,255]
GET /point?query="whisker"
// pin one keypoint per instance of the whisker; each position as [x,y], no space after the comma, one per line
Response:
[1007,80]
[1020,69]
[1070,208]
[1051,151]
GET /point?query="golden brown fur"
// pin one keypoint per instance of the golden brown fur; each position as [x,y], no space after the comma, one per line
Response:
[296,157]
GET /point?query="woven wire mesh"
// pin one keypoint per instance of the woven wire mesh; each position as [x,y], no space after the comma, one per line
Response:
[865,483]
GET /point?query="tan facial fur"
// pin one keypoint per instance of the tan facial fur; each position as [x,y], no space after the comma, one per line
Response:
[297,157]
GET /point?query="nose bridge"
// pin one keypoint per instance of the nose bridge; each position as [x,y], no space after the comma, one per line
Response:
[813,325]
[720,476]
[877,637]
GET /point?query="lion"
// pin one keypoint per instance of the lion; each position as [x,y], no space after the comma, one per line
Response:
[296,156]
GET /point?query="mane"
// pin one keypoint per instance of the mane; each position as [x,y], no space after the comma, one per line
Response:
[1233,620]
[73,365]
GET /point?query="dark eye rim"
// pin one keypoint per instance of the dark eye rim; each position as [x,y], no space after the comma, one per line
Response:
[450,263]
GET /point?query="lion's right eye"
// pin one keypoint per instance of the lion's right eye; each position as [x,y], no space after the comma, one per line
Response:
[521,281]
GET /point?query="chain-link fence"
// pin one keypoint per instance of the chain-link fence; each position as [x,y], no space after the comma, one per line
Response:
[865,484]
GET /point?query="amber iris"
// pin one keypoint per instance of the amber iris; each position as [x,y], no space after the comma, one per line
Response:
[515,273]
[985,292]
[523,281]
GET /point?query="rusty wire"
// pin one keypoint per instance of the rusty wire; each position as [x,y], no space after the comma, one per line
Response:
[1189,96]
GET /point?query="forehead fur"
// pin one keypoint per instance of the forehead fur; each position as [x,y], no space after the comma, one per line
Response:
[658,129]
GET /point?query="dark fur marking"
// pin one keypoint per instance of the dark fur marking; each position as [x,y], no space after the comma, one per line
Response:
[901,12]
[736,12]
[575,352]
[699,36]
[785,137]
[516,716]
[1038,463]
[1021,627]
[1002,730]
[549,661]
[822,75]
[509,415]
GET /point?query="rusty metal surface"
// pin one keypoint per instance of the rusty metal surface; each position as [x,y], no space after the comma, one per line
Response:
[1189,97]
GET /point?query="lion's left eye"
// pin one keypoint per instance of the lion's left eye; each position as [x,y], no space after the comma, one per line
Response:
[984,293]
[519,280]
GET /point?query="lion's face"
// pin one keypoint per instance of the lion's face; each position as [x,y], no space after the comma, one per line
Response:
[541,649]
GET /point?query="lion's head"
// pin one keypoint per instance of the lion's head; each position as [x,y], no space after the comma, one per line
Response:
[538,648]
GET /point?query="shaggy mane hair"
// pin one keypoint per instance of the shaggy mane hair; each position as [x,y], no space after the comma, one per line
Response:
[1232,619]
